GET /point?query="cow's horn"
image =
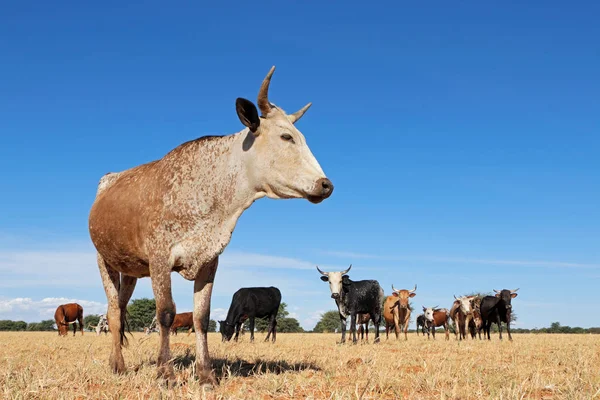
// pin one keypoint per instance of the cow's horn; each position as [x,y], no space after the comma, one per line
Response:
[455,297]
[346,271]
[394,289]
[322,273]
[512,291]
[263,93]
[412,291]
[298,114]
[497,291]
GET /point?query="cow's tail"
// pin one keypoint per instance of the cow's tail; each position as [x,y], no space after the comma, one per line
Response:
[124,325]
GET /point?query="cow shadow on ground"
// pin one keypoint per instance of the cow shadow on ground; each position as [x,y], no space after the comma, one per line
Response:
[225,368]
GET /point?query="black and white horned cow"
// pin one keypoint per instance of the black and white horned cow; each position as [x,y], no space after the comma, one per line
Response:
[355,297]
[248,304]
[497,309]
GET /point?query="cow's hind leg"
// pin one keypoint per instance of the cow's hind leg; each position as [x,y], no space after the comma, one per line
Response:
[111,281]
[165,312]
[203,285]
[80,320]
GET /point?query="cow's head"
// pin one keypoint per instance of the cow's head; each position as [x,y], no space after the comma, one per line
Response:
[465,303]
[428,313]
[226,330]
[278,160]
[403,295]
[337,281]
[507,296]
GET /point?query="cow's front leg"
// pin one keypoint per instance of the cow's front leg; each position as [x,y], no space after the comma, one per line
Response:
[251,325]
[160,273]
[499,325]
[343,321]
[203,285]
[353,327]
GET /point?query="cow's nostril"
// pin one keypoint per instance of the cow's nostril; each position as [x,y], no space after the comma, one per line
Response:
[326,186]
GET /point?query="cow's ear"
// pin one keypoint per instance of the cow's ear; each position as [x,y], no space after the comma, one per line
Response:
[412,295]
[324,278]
[498,295]
[345,280]
[394,294]
[247,113]
[513,295]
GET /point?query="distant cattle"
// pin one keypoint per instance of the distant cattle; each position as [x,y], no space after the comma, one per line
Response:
[462,314]
[248,304]
[475,326]
[183,320]
[102,325]
[396,311]
[68,314]
[152,328]
[362,320]
[435,317]
[497,309]
[353,298]
[421,323]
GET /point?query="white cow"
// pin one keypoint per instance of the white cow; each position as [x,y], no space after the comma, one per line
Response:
[178,214]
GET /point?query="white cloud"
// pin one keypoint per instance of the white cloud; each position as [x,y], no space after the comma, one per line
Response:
[27,309]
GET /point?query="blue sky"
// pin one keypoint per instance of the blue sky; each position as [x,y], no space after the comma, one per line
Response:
[462,140]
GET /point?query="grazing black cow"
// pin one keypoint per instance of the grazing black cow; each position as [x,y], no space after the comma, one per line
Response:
[251,303]
[421,323]
[355,297]
[497,309]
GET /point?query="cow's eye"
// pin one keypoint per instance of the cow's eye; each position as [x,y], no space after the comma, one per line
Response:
[287,137]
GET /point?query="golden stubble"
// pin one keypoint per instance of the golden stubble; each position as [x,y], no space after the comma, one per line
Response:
[40,365]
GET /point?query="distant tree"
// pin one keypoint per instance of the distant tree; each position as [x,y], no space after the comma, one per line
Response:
[46,325]
[330,321]
[141,312]
[212,325]
[289,325]
[8,325]
[91,319]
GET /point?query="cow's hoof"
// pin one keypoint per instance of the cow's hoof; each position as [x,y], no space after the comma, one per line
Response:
[206,379]
[117,364]
[166,372]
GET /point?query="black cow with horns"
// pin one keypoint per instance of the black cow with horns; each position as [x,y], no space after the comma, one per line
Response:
[251,303]
[355,297]
[497,309]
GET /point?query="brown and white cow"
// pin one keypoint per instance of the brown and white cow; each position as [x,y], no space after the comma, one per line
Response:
[177,214]
[396,311]
[362,321]
[183,320]
[463,314]
[436,317]
[66,314]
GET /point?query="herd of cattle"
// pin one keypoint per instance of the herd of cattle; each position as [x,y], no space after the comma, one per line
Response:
[362,301]
[178,214]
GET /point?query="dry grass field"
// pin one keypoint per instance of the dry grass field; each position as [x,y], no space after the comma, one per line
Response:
[43,366]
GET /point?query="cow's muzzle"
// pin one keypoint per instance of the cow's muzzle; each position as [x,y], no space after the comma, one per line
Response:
[323,189]
[335,296]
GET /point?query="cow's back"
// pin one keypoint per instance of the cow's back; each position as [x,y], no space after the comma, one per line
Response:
[257,301]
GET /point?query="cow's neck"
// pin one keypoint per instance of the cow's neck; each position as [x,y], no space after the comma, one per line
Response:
[210,186]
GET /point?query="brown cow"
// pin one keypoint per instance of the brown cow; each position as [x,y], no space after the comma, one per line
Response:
[183,320]
[458,318]
[475,325]
[362,320]
[68,314]
[435,317]
[396,311]
[178,213]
